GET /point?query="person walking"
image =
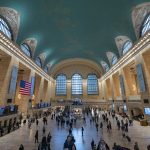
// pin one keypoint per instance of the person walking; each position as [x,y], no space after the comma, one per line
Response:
[43,129]
[97,127]
[92,144]
[37,122]
[101,125]
[36,136]
[49,140]
[148,147]
[136,147]
[82,129]
[21,147]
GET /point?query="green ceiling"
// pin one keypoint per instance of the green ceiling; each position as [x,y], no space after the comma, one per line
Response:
[74,28]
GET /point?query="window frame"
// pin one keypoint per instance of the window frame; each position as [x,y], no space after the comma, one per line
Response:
[143,26]
[81,93]
[26,46]
[114,58]
[96,79]
[45,67]
[39,61]
[64,94]
[7,27]
[126,47]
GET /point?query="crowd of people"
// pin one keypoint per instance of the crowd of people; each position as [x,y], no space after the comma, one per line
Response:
[96,117]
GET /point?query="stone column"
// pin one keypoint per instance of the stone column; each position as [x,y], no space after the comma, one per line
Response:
[84,88]
[48,91]
[6,67]
[24,101]
[145,94]
[68,89]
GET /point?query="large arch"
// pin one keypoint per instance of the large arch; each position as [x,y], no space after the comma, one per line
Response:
[139,13]
[13,19]
[82,66]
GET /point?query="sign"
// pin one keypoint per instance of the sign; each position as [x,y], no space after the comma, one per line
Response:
[32,85]
[140,78]
[13,80]
[122,85]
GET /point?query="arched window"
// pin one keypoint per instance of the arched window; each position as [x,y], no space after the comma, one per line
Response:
[114,60]
[46,69]
[38,62]
[4,27]
[61,85]
[146,25]
[25,48]
[105,66]
[92,84]
[126,47]
[76,84]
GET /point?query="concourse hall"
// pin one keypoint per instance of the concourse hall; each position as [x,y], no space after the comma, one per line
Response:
[75,75]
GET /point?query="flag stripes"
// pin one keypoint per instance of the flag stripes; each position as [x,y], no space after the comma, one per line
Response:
[25,88]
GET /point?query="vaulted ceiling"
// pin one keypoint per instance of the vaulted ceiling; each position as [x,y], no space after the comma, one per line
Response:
[74,28]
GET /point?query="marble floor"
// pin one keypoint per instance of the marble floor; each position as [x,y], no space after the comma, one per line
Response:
[25,136]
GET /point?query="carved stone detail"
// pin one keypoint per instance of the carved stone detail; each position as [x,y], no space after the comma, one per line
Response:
[13,18]
[138,15]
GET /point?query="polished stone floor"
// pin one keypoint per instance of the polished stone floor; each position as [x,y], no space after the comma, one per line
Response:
[26,136]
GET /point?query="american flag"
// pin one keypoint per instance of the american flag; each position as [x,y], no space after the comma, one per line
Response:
[25,88]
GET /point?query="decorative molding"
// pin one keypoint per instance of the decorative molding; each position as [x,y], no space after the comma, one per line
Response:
[136,48]
[77,62]
[139,13]
[13,49]
[13,18]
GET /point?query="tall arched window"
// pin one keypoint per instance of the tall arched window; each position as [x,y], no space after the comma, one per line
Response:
[92,84]
[76,84]
[25,48]
[146,25]
[61,85]
[126,47]
[38,61]
[46,69]
[106,67]
[4,27]
[114,60]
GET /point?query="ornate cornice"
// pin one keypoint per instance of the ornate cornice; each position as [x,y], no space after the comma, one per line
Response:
[136,49]
[12,48]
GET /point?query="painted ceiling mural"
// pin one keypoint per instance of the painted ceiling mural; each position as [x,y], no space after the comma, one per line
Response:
[74,28]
